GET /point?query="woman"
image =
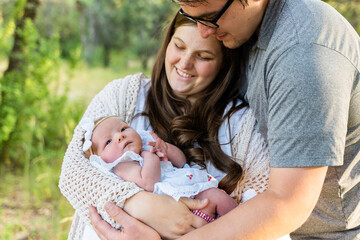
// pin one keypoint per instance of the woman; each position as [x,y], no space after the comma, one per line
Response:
[193,103]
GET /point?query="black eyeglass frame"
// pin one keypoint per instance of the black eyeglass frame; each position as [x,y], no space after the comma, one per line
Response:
[208,23]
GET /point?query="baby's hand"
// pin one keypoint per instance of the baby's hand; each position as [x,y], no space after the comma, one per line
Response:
[159,147]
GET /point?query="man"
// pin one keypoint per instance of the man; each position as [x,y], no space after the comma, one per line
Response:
[303,83]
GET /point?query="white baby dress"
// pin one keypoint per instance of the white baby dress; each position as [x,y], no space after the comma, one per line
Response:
[175,182]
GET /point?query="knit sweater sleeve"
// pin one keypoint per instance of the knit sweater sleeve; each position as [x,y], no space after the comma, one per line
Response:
[80,182]
[251,151]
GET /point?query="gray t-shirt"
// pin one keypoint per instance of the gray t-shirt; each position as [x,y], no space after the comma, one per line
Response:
[303,84]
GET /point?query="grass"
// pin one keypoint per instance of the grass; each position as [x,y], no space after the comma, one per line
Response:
[31,205]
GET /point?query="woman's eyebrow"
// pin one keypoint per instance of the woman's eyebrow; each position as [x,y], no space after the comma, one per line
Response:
[199,50]
[178,38]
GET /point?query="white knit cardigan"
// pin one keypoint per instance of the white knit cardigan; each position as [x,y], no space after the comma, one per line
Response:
[82,184]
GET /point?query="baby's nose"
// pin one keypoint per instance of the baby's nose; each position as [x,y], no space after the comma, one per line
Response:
[119,137]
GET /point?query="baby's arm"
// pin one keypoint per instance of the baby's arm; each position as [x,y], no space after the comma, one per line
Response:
[145,176]
[176,156]
[167,151]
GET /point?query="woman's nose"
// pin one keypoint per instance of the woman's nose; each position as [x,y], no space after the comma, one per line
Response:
[186,61]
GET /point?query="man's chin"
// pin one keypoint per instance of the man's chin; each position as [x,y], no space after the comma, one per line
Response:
[231,44]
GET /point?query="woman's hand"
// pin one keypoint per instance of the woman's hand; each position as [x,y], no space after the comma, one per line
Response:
[132,228]
[170,218]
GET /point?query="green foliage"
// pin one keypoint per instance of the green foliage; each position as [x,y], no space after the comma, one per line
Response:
[26,97]
[6,32]
[123,25]
[61,19]
[35,114]
[350,9]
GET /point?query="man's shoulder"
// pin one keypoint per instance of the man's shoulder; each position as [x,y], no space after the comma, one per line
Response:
[313,22]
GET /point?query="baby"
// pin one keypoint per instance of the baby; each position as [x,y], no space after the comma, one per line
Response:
[145,159]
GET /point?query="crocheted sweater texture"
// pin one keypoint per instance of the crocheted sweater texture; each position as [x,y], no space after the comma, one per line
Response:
[83,184]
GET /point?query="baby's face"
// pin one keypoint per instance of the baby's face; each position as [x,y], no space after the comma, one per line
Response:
[113,137]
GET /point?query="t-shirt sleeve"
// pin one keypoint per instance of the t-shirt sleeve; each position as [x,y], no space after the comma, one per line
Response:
[309,90]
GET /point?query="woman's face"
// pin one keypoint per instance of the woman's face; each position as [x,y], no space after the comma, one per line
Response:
[191,62]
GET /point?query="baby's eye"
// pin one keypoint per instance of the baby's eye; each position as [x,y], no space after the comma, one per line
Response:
[123,129]
[108,142]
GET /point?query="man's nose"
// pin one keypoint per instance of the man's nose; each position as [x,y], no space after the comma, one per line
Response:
[205,31]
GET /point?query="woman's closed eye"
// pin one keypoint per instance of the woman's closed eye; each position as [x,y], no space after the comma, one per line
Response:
[205,57]
[178,46]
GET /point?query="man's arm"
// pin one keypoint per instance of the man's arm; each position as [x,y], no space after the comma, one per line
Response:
[285,206]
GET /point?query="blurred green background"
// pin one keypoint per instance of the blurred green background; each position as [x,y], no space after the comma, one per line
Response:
[55,55]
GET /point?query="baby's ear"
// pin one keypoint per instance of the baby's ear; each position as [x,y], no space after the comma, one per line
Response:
[87,154]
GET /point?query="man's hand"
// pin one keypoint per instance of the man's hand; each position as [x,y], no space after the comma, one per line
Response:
[170,218]
[132,228]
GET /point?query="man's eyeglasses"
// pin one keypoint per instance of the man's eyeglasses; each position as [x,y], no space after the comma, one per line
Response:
[208,23]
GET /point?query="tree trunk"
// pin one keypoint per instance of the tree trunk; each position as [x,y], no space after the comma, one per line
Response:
[29,12]
[15,65]
[107,51]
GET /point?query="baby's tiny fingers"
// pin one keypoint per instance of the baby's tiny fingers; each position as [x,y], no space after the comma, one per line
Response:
[153,135]
[160,154]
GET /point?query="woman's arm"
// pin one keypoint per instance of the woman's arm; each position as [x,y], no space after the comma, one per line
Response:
[255,164]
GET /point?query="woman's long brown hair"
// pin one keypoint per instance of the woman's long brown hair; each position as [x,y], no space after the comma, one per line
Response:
[194,127]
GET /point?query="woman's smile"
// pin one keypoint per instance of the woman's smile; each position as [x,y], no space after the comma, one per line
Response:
[182,74]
